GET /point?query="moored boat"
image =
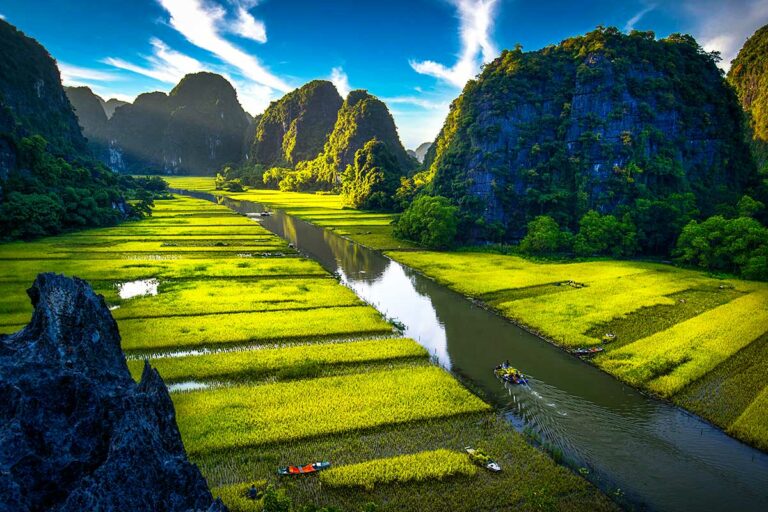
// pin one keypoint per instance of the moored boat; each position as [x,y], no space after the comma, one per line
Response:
[303,470]
[480,458]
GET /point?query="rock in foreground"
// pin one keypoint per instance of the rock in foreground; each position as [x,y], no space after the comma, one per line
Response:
[76,432]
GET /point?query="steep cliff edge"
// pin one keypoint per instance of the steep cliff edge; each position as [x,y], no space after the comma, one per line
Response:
[362,118]
[602,121]
[295,127]
[749,76]
[76,432]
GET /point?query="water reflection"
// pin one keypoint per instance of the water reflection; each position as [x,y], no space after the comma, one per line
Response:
[660,456]
[140,288]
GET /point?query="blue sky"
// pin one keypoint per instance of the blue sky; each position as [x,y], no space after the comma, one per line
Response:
[414,54]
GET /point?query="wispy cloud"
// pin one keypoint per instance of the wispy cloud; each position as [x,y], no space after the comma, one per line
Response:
[725,26]
[2,16]
[637,17]
[202,25]
[165,64]
[477,48]
[341,81]
[75,74]
[418,102]
[247,26]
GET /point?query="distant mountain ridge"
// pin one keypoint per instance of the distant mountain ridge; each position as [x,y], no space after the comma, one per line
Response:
[195,129]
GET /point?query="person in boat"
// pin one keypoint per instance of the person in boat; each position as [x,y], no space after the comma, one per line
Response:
[505,365]
[252,493]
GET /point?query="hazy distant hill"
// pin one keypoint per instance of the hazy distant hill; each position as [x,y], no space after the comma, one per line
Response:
[195,129]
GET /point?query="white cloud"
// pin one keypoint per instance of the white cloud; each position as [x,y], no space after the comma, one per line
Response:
[202,24]
[254,98]
[725,26]
[637,17]
[341,81]
[165,64]
[2,16]
[75,74]
[475,24]
[249,27]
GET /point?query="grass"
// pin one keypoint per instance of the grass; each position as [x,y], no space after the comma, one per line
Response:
[667,361]
[245,415]
[723,394]
[259,363]
[300,398]
[417,467]
[197,297]
[177,332]
[530,479]
[327,210]
[680,333]
[752,425]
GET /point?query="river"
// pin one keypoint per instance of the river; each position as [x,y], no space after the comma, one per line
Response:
[659,456]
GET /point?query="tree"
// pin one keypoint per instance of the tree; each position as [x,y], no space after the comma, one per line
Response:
[371,180]
[544,237]
[430,221]
[732,245]
[30,215]
[605,234]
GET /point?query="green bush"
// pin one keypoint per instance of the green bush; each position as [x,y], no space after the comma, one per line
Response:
[544,237]
[739,246]
[371,180]
[605,235]
[430,221]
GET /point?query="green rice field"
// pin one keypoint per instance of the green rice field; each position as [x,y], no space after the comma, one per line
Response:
[289,367]
[695,339]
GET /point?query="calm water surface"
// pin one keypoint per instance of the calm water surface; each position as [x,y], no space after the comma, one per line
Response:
[660,457]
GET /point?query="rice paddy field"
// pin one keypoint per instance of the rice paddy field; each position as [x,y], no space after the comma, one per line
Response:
[698,340]
[273,362]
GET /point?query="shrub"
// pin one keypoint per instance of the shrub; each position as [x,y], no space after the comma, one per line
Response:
[371,180]
[430,221]
[605,234]
[544,237]
[733,245]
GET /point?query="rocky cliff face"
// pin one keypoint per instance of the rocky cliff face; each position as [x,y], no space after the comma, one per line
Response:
[195,129]
[30,90]
[749,76]
[362,118]
[89,109]
[596,122]
[295,128]
[76,432]
[420,152]
[111,105]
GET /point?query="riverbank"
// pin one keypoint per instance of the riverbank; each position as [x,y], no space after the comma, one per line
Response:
[679,334]
[284,365]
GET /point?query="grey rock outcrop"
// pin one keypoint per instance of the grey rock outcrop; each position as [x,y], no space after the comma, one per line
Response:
[76,432]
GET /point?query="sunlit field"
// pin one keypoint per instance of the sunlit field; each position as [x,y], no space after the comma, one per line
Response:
[370,229]
[680,334]
[293,367]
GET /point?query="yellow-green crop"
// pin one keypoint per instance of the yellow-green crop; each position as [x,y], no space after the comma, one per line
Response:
[418,467]
[251,415]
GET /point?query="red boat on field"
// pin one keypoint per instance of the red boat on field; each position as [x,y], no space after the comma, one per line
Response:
[303,470]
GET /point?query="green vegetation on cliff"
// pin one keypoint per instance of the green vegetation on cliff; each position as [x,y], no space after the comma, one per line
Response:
[295,128]
[361,119]
[48,181]
[620,124]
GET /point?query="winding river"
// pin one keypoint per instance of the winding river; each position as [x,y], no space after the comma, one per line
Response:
[650,454]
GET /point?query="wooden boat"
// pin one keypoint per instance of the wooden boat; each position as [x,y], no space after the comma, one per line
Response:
[303,470]
[510,375]
[481,459]
[587,351]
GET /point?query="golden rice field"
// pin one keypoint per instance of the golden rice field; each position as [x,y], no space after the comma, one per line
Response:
[680,333]
[433,465]
[294,368]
